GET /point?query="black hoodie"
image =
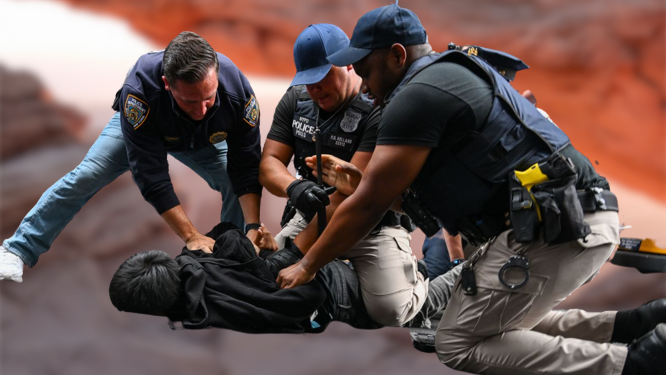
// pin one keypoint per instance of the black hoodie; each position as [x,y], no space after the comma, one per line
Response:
[233,288]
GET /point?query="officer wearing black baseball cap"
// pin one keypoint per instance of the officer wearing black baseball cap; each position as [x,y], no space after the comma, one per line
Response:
[456,132]
[381,28]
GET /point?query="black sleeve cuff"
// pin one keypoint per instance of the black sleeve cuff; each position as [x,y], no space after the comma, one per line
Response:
[255,189]
[164,202]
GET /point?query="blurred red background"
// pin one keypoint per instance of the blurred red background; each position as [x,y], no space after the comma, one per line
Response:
[597,67]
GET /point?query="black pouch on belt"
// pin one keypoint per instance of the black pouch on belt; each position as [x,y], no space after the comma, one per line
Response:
[522,210]
[561,212]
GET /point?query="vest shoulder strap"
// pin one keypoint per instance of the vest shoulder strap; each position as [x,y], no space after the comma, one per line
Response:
[361,105]
[302,93]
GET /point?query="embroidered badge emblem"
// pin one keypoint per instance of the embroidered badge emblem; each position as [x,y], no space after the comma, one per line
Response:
[136,111]
[252,112]
[350,122]
[217,137]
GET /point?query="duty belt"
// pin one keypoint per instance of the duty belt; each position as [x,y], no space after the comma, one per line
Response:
[597,199]
[391,219]
[480,230]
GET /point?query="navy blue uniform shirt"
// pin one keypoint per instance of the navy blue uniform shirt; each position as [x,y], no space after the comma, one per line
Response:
[153,125]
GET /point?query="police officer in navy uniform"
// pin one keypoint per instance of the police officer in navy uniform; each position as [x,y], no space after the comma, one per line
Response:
[186,101]
[199,101]
[329,98]
[488,165]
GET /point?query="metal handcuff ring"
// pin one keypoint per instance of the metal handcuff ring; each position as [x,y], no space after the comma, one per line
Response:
[516,261]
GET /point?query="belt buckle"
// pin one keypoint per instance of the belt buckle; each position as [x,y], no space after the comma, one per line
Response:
[598,198]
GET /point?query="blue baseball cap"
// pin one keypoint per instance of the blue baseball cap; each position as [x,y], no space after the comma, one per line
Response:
[310,51]
[380,28]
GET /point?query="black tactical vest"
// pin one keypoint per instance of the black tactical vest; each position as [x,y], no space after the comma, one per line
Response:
[341,133]
[465,182]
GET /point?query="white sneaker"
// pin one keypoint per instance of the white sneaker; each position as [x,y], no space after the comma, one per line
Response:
[11,266]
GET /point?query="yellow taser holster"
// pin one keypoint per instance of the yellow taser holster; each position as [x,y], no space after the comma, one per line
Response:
[529,178]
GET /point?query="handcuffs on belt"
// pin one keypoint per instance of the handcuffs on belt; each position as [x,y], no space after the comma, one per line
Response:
[516,261]
[468,279]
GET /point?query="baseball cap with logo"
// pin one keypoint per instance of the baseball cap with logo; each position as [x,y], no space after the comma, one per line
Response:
[380,28]
[310,51]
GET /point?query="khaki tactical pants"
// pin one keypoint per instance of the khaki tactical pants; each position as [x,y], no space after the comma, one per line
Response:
[500,331]
[393,291]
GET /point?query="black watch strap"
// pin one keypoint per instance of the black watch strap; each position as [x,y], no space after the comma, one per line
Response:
[251,226]
[458,261]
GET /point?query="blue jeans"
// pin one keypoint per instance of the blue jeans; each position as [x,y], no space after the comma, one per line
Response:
[436,255]
[107,160]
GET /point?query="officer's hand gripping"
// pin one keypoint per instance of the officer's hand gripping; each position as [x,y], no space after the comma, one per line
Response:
[294,276]
[200,242]
[307,196]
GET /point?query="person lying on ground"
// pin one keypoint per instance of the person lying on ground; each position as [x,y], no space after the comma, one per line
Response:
[234,287]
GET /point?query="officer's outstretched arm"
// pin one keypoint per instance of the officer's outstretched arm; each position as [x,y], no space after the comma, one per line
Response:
[182,226]
[273,172]
[390,171]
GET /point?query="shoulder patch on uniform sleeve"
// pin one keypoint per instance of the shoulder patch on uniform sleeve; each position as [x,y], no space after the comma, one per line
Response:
[136,111]
[251,114]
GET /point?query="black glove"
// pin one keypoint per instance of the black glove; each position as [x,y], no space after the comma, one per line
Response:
[307,196]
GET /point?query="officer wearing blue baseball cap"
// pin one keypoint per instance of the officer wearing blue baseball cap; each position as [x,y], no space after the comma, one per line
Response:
[310,51]
[455,132]
[328,97]
[318,90]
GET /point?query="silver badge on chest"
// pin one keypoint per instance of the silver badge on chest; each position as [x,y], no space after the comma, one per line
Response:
[350,121]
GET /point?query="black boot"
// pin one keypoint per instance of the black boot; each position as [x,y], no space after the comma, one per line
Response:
[423,338]
[647,355]
[424,325]
[632,324]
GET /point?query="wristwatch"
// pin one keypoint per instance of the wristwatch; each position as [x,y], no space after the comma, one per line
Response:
[251,226]
[458,261]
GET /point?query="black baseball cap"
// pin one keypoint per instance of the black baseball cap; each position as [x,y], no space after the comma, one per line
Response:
[310,51]
[380,28]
